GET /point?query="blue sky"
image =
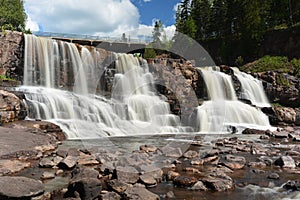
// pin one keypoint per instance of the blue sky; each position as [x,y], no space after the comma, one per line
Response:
[160,9]
[100,17]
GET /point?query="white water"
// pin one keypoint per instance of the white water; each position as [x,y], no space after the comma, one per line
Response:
[223,109]
[51,66]
[252,89]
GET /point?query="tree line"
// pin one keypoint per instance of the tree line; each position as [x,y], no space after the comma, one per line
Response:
[237,24]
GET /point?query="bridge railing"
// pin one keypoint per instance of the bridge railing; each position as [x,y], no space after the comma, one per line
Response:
[141,39]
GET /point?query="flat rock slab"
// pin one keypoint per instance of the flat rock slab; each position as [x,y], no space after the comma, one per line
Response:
[12,166]
[19,187]
[12,141]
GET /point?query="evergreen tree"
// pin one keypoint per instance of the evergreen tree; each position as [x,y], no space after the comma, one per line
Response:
[12,15]
[201,14]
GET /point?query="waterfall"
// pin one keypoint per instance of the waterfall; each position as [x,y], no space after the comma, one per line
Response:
[60,82]
[252,89]
[223,110]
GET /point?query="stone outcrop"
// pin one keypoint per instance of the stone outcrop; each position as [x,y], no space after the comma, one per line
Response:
[12,107]
[12,54]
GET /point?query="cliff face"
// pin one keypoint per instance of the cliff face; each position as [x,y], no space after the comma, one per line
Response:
[12,54]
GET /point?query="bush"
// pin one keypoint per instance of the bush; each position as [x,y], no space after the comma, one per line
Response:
[149,53]
[296,66]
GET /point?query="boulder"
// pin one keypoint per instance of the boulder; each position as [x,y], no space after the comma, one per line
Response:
[285,162]
[20,188]
[184,181]
[127,174]
[234,162]
[218,183]
[85,183]
[139,193]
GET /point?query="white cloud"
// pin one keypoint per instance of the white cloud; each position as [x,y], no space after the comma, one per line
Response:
[147,0]
[32,25]
[82,16]
[93,17]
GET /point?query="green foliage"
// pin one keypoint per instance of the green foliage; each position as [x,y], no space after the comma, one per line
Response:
[6,78]
[239,61]
[296,67]
[275,63]
[281,80]
[149,53]
[12,15]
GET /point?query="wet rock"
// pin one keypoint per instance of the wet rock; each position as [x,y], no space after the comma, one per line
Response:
[191,154]
[197,161]
[68,163]
[281,134]
[85,183]
[191,170]
[292,185]
[118,186]
[19,188]
[171,151]
[253,131]
[267,160]
[172,175]
[257,164]
[285,162]
[273,176]
[258,171]
[110,196]
[234,162]
[127,174]
[170,195]
[138,193]
[218,183]
[199,186]
[12,166]
[48,175]
[184,181]
[148,179]
[148,148]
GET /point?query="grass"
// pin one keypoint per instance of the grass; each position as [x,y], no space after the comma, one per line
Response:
[274,63]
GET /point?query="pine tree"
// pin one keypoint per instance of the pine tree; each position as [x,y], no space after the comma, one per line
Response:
[12,15]
[201,14]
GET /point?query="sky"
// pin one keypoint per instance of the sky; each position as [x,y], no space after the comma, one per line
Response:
[101,17]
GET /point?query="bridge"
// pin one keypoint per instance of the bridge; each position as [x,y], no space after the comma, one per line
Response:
[115,44]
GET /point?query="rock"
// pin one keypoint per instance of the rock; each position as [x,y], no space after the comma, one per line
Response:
[87,160]
[148,179]
[12,166]
[191,170]
[267,160]
[218,183]
[234,162]
[191,154]
[170,195]
[172,175]
[171,151]
[48,175]
[118,186]
[286,115]
[281,134]
[127,174]
[110,196]
[47,162]
[148,148]
[138,193]
[292,185]
[184,181]
[85,183]
[197,161]
[19,188]
[273,176]
[285,162]
[257,164]
[68,163]
[253,131]
[199,186]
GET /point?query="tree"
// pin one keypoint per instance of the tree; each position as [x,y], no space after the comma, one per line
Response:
[124,38]
[12,15]
[156,34]
[201,14]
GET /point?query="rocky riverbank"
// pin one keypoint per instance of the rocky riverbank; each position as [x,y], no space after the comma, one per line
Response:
[43,167]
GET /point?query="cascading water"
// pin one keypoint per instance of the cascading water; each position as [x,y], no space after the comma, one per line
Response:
[60,86]
[223,109]
[252,89]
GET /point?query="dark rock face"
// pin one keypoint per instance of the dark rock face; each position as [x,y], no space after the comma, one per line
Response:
[85,183]
[218,182]
[285,161]
[26,188]
[12,54]
[185,181]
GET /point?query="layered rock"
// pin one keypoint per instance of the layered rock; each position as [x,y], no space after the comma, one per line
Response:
[12,54]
